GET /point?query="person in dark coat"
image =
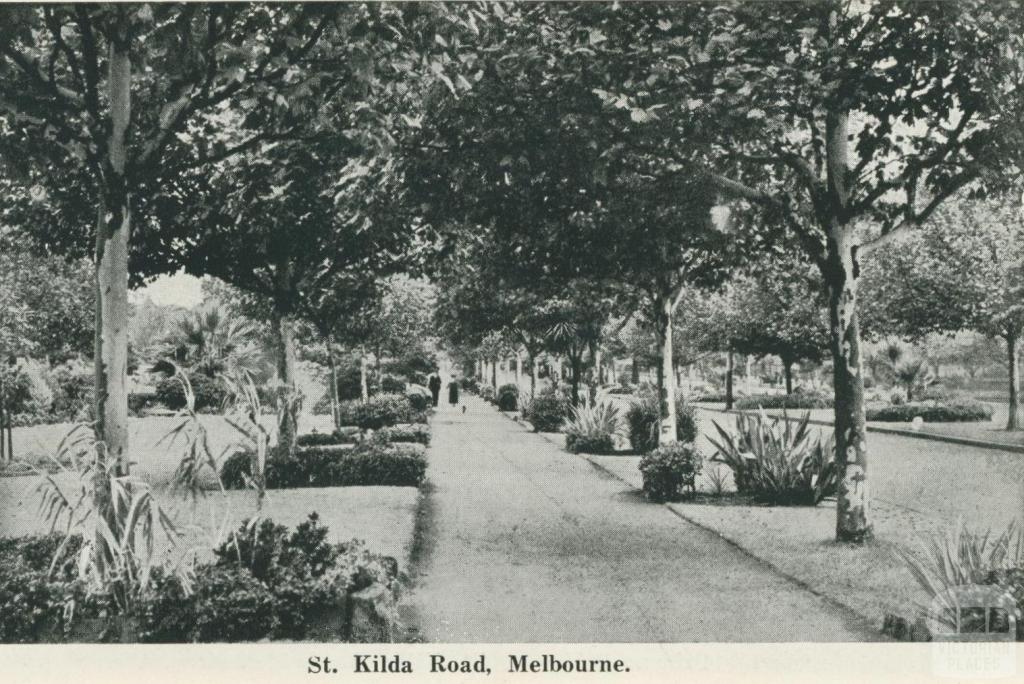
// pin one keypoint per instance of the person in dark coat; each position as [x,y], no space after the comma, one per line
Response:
[453,392]
[435,387]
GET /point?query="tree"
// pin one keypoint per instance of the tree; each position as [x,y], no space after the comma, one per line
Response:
[963,271]
[779,311]
[829,116]
[46,302]
[213,340]
[111,101]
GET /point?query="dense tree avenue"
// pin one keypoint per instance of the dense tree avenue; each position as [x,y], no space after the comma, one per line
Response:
[535,193]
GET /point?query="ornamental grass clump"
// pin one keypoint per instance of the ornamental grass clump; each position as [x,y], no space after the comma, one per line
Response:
[778,461]
[592,429]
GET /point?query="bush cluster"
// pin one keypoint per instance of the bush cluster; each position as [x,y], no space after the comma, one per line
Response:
[508,397]
[389,384]
[797,400]
[32,602]
[469,384]
[643,419]
[547,411]
[34,394]
[668,469]
[382,410]
[366,464]
[210,393]
[264,583]
[932,412]
[487,393]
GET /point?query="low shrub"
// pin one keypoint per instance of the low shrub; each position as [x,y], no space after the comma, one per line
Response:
[546,412]
[797,400]
[326,438]
[264,582]
[777,461]
[389,384]
[381,410]
[592,429]
[366,464]
[419,401]
[508,397]
[210,393]
[668,470]
[469,384]
[931,412]
[487,393]
[138,401]
[416,433]
[620,389]
[643,419]
[32,601]
[708,397]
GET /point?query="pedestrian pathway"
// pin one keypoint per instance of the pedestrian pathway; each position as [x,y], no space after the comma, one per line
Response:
[523,542]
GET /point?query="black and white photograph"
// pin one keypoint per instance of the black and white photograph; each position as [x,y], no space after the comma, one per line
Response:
[388,326]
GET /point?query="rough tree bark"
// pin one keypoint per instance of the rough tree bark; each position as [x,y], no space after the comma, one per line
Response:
[728,380]
[666,372]
[364,383]
[113,232]
[635,371]
[787,366]
[335,400]
[1013,418]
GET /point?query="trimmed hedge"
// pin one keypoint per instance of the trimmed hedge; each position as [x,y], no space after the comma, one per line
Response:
[367,464]
[382,410]
[327,438]
[931,412]
[416,433]
[797,400]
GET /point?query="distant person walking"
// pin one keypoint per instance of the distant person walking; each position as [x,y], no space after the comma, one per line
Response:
[453,392]
[435,387]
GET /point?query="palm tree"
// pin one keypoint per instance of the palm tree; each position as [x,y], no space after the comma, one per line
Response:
[214,340]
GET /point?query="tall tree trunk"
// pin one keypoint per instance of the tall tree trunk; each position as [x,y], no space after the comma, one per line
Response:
[519,366]
[364,382]
[494,374]
[728,380]
[635,371]
[335,400]
[113,234]
[787,369]
[534,374]
[575,363]
[666,373]
[599,367]
[1012,419]
[853,522]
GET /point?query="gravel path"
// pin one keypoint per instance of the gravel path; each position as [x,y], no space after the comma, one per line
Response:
[521,542]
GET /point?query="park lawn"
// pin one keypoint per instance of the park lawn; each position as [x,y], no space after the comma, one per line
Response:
[381,516]
[154,459]
[919,488]
[984,431]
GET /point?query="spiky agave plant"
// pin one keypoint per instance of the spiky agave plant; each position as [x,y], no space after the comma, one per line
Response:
[244,417]
[957,558]
[777,460]
[593,428]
